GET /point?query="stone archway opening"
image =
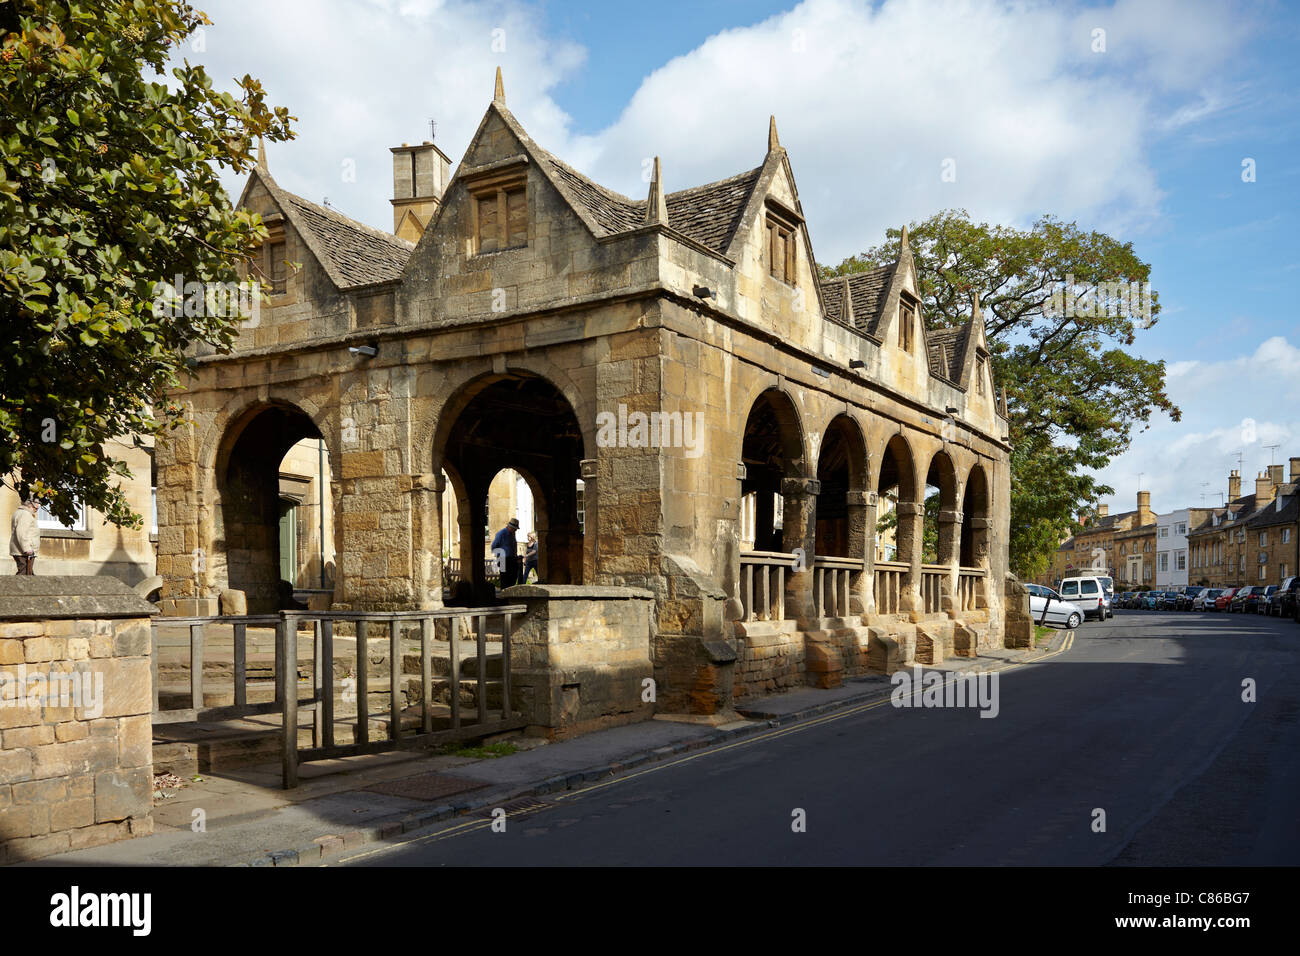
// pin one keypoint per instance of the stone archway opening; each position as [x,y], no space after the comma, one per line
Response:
[975,521]
[274,529]
[514,428]
[898,529]
[939,538]
[771,451]
[841,473]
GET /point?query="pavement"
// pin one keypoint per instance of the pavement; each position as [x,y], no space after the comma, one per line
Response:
[243,818]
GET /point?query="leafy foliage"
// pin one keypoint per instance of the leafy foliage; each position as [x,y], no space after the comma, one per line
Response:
[108,186]
[1075,393]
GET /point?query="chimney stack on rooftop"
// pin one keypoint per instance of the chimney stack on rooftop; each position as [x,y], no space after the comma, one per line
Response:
[1234,485]
[1264,490]
[1144,515]
[420,175]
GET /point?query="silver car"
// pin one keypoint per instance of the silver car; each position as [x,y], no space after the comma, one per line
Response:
[1048,607]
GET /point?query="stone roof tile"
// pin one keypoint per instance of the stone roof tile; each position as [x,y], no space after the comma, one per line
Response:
[357,254]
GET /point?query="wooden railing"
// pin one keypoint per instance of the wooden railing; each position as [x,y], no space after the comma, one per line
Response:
[322,702]
[970,589]
[889,586]
[281,633]
[198,644]
[832,585]
[932,578]
[762,584]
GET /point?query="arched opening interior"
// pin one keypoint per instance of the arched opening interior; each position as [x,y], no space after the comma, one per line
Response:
[841,471]
[937,542]
[974,524]
[274,527]
[772,449]
[895,484]
[514,444]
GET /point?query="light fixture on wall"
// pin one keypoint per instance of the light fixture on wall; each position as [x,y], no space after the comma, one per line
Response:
[857,363]
[951,409]
[704,292]
[369,351]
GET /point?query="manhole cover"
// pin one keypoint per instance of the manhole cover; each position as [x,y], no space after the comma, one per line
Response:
[427,786]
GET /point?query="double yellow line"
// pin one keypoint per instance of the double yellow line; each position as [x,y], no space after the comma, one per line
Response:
[469,826]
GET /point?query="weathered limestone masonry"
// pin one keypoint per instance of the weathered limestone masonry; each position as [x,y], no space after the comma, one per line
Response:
[665,373]
[76,764]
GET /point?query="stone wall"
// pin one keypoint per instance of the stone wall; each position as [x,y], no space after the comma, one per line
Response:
[76,767]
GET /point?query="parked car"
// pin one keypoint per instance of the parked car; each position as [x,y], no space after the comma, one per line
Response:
[1048,607]
[1087,593]
[1224,601]
[1168,601]
[1238,603]
[1108,589]
[1150,600]
[1286,602]
[1124,600]
[1257,602]
[1204,600]
[1187,595]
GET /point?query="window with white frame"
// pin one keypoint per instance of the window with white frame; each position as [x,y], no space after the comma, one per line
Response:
[1181,529]
[1180,560]
[46,521]
[1263,539]
[1286,535]
[1164,560]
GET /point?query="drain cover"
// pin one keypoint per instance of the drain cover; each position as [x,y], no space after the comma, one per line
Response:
[516,808]
[427,786]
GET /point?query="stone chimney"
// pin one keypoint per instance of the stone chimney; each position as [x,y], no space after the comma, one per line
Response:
[420,175]
[1103,510]
[1264,489]
[1275,475]
[1234,485]
[1144,515]
[1295,470]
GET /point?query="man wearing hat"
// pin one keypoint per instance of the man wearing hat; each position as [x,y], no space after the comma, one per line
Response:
[505,550]
[26,538]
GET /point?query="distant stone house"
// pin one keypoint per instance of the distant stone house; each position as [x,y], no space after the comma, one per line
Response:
[664,373]
[1252,540]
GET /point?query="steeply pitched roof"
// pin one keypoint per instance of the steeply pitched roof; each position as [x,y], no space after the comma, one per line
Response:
[708,214]
[1270,514]
[947,352]
[867,291]
[353,253]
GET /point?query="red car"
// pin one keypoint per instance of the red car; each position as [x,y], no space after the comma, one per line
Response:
[1223,600]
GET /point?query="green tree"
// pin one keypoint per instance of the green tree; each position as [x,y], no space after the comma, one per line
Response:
[108,187]
[1061,308]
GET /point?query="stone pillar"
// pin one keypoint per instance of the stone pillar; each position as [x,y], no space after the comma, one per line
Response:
[426,537]
[911,530]
[862,544]
[588,469]
[979,528]
[949,557]
[799,530]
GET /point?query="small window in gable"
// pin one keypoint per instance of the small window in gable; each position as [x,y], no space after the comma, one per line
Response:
[277,267]
[500,205]
[906,323]
[781,249]
[980,365]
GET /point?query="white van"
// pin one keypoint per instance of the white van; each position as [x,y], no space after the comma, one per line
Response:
[1087,593]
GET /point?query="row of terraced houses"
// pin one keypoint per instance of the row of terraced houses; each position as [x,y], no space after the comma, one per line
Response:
[1250,539]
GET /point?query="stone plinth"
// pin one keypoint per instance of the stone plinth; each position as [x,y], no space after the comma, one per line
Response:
[76,764]
[580,659]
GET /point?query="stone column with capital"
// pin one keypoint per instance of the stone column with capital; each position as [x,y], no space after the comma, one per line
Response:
[862,544]
[910,532]
[799,537]
[949,557]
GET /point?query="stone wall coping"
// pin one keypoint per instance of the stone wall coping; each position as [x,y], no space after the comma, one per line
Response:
[33,597]
[577,592]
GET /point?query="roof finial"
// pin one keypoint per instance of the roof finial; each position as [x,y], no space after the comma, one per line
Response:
[656,207]
[772,141]
[975,302]
[499,94]
[261,153]
[902,239]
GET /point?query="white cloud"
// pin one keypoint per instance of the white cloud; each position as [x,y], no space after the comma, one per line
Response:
[869,100]
[1233,406]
